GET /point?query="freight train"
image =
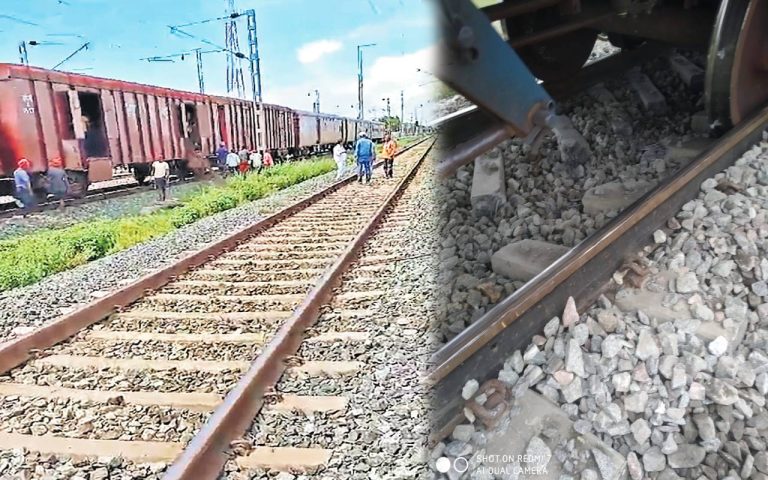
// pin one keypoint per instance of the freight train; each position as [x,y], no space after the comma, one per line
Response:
[96,124]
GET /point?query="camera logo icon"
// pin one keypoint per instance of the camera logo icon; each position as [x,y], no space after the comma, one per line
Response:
[444,464]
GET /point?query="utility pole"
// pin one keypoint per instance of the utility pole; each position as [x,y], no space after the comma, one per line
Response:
[255,69]
[234,70]
[23,53]
[253,57]
[402,108]
[316,103]
[387,100]
[199,58]
[360,114]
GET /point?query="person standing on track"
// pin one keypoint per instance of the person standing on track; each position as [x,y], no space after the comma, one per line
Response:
[233,160]
[390,149]
[23,187]
[161,172]
[365,155]
[58,183]
[340,156]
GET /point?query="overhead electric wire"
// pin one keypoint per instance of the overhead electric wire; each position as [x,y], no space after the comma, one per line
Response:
[161,58]
[200,22]
[19,20]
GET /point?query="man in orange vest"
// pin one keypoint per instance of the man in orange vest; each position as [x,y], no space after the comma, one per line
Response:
[390,149]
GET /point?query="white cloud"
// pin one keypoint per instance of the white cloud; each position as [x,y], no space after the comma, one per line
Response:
[384,77]
[313,51]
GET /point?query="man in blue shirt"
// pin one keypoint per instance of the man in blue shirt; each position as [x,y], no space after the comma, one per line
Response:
[23,186]
[365,154]
[221,157]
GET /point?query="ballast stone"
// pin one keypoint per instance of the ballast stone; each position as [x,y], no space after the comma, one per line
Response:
[650,96]
[488,184]
[574,149]
[525,259]
[690,73]
[613,196]
[535,417]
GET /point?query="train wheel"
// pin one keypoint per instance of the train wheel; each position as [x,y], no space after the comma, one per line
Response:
[737,64]
[78,184]
[140,173]
[553,59]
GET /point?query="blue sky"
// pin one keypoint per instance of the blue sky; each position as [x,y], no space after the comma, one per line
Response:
[303,45]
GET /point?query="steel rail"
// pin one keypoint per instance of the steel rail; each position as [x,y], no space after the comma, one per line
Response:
[206,455]
[479,351]
[18,350]
[105,193]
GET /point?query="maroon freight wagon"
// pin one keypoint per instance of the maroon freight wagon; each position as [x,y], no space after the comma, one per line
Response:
[95,124]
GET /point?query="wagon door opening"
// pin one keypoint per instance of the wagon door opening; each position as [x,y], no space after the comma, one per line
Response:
[95,143]
[189,124]
[221,112]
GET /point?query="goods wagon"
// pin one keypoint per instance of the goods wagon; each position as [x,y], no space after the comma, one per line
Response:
[280,129]
[95,124]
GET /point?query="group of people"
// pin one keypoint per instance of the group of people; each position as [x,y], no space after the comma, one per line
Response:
[242,161]
[365,155]
[56,184]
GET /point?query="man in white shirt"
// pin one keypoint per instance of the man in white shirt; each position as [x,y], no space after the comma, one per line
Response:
[233,160]
[255,159]
[340,155]
[161,173]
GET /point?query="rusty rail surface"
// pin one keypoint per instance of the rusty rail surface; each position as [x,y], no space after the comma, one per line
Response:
[18,350]
[480,350]
[206,454]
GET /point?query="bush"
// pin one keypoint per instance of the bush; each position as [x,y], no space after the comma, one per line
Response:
[26,260]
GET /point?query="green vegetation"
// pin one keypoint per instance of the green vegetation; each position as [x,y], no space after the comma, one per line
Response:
[26,260]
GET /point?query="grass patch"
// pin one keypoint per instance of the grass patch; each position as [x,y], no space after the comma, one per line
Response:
[28,259]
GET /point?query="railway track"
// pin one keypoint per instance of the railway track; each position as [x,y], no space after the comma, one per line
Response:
[195,349]
[485,348]
[103,193]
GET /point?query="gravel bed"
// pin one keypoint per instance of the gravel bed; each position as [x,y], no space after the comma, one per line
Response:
[383,432]
[318,429]
[262,276]
[212,305]
[675,399]
[93,210]
[200,326]
[158,350]
[337,350]
[543,199]
[130,380]
[77,419]
[18,464]
[215,289]
[40,303]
